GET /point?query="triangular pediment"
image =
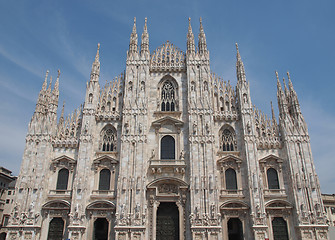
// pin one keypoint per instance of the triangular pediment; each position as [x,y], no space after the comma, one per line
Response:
[64,158]
[167,119]
[230,157]
[105,158]
[271,157]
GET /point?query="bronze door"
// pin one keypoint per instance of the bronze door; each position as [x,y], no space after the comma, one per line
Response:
[167,227]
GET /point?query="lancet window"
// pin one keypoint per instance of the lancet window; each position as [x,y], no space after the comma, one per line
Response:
[168,97]
[227,140]
[108,139]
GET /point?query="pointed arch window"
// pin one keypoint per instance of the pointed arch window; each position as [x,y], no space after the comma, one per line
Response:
[104,179]
[167,147]
[231,180]
[108,141]
[273,182]
[227,140]
[168,97]
[62,180]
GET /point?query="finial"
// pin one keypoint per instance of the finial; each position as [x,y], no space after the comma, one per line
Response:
[272,111]
[145,25]
[288,75]
[277,76]
[237,52]
[97,55]
[58,73]
[189,20]
[134,27]
[201,27]
[45,83]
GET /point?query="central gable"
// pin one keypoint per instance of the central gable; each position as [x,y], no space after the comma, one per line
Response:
[167,57]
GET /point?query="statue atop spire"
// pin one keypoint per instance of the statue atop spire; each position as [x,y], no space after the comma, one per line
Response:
[190,39]
[133,39]
[45,83]
[202,45]
[145,40]
[240,72]
[95,72]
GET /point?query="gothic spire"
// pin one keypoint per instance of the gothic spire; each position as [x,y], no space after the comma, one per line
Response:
[55,91]
[45,83]
[145,39]
[61,118]
[293,94]
[133,39]
[49,88]
[240,72]
[190,38]
[95,72]
[202,45]
[273,113]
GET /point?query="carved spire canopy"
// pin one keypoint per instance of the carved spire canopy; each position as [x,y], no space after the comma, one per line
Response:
[240,72]
[133,39]
[95,72]
[145,40]
[190,38]
[202,45]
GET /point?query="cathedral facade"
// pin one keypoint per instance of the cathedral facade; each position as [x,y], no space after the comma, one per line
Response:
[167,150]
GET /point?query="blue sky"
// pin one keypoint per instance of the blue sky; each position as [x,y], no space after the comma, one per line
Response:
[296,36]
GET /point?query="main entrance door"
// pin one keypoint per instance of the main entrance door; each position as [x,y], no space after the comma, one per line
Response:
[235,229]
[100,229]
[167,227]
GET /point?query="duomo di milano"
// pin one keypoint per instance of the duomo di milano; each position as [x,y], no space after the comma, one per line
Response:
[167,150]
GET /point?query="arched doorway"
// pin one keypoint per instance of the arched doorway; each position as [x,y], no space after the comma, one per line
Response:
[235,229]
[167,226]
[100,229]
[56,228]
[279,228]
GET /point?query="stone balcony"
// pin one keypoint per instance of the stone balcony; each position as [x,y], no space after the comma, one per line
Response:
[103,194]
[275,193]
[60,194]
[176,166]
[238,193]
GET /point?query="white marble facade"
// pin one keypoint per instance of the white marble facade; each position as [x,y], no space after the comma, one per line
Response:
[170,137]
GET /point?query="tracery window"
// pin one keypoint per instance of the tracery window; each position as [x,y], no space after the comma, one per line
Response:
[168,100]
[62,180]
[227,140]
[108,141]
[231,181]
[167,147]
[273,181]
[104,179]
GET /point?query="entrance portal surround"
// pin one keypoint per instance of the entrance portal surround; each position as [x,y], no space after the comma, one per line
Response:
[166,190]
